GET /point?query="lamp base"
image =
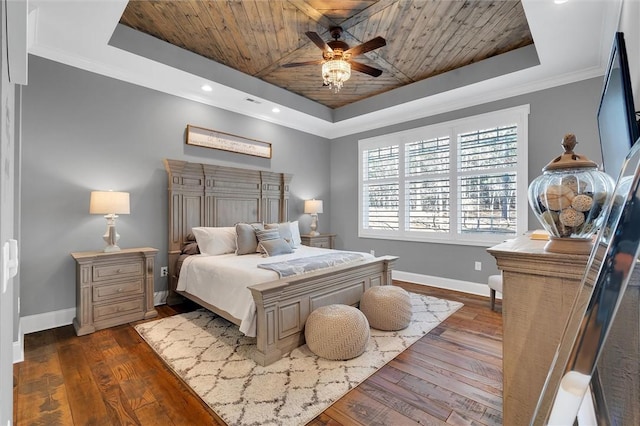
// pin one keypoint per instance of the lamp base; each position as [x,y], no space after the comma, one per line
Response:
[111,248]
[314,225]
[111,237]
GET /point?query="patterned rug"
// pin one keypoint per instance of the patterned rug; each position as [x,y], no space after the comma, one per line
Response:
[211,356]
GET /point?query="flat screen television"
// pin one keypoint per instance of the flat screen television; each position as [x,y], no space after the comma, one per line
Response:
[617,123]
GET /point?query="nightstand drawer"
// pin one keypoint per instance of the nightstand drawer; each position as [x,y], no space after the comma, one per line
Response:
[322,242]
[121,270]
[120,289]
[113,310]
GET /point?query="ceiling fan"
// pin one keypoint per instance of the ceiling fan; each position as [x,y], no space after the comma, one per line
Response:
[337,52]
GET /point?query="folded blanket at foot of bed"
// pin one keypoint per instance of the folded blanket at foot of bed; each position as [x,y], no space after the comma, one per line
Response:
[309,264]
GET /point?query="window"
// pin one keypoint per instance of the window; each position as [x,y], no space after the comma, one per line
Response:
[462,182]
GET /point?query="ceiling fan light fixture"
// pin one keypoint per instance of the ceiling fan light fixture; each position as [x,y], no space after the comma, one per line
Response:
[335,72]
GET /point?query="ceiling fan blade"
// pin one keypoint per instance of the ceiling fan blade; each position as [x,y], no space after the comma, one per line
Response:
[367,46]
[314,37]
[374,72]
[299,64]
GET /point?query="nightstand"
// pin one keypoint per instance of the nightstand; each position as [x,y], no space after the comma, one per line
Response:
[322,240]
[113,288]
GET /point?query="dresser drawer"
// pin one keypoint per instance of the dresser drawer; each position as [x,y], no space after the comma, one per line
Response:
[102,292]
[120,270]
[114,310]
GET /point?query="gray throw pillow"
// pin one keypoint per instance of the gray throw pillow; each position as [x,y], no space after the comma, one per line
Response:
[246,240]
[284,229]
[274,247]
[267,234]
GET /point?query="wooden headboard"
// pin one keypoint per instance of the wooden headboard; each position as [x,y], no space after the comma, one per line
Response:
[210,195]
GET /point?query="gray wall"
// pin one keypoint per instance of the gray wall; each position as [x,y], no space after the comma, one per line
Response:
[84,132]
[554,112]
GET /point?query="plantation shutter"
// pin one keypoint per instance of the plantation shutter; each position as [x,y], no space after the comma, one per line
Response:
[487,168]
[459,182]
[381,189]
[427,183]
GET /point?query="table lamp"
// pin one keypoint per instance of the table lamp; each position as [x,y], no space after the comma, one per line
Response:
[110,204]
[313,207]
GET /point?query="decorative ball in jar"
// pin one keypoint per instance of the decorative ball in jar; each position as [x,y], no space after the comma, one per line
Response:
[569,199]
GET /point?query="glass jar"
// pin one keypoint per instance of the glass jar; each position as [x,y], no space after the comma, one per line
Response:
[569,199]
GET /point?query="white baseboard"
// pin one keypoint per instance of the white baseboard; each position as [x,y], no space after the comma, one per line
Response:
[39,322]
[480,289]
[18,347]
[48,320]
[160,297]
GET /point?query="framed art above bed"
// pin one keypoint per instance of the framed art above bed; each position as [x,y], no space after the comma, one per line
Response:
[199,136]
[211,196]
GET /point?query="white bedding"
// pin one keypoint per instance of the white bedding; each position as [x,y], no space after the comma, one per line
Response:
[223,280]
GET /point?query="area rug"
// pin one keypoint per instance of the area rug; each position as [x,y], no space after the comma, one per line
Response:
[212,357]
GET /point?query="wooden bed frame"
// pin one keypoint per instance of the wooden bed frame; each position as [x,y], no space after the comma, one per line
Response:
[209,195]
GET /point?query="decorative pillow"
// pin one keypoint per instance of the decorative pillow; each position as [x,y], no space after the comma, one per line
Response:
[274,247]
[295,234]
[267,234]
[190,248]
[246,240]
[215,241]
[284,229]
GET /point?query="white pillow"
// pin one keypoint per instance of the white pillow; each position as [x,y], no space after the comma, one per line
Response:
[215,241]
[295,234]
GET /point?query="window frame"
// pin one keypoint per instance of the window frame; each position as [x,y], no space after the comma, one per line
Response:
[516,115]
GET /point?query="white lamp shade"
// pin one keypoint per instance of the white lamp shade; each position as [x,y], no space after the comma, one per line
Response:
[109,202]
[313,206]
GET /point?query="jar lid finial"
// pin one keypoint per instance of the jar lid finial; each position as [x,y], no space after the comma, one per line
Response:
[569,159]
[569,142]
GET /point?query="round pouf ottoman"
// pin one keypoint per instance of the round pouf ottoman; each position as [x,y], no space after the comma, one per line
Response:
[387,307]
[337,332]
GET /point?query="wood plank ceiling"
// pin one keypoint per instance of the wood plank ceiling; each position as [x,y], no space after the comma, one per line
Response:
[424,38]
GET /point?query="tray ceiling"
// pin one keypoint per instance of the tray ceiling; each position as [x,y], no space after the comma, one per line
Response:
[424,38]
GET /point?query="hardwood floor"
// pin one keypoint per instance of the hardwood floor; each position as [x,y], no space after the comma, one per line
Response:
[453,375]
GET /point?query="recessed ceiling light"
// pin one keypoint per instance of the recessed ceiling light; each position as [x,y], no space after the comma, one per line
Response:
[560,1]
[207,88]
[276,110]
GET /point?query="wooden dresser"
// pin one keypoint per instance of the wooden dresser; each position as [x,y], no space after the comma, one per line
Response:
[322,240]
[113,288]
[538,292]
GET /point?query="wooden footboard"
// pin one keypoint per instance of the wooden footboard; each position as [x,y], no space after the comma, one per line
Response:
[284,305]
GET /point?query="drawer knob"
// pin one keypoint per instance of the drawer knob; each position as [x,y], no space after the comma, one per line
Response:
[119,271]
[120,290]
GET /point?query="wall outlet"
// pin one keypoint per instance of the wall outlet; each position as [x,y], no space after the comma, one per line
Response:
[164,271]
[373,252]
[478,266]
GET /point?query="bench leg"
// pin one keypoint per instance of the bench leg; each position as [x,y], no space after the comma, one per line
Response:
[493,299]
